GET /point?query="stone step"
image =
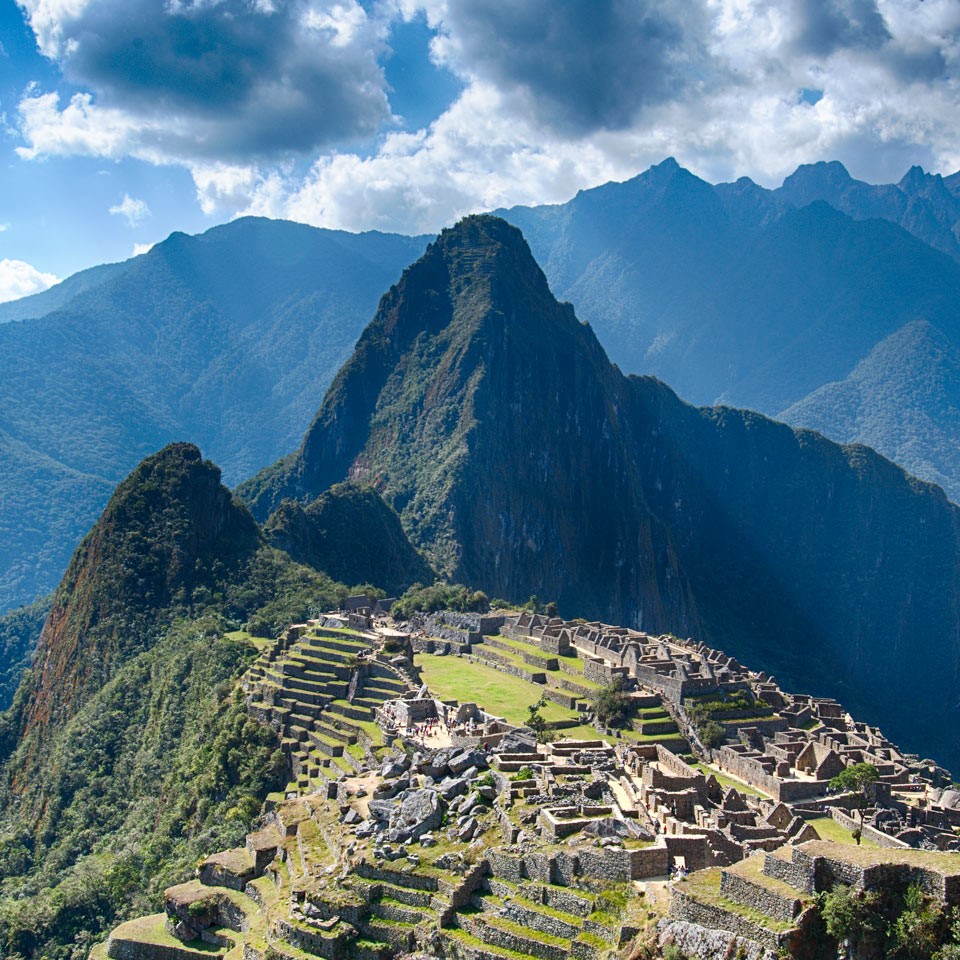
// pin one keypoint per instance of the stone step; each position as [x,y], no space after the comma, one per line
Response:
[349,710]
[330,733]
[376,889]
[532,915]
[401,936]
[470,947]
[393,911]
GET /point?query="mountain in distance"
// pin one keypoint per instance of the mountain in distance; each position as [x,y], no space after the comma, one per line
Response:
[521,461]
[736,294]
[924,204]
[229,338]
[926,392]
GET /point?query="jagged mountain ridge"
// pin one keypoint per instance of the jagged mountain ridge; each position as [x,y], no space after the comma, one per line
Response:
[736,294]
[521,461]
[228,338]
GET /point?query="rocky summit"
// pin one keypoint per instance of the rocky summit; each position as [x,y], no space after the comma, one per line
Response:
[521,461]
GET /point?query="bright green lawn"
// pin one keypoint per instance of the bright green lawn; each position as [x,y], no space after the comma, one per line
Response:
[829,829]
[499,693]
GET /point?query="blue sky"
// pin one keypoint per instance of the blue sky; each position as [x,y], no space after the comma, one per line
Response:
[126,119]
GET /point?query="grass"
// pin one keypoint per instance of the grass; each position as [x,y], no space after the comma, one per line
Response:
[727,782]
[152,930]
[864,856]
[499,693]
[704,885]
[829,829]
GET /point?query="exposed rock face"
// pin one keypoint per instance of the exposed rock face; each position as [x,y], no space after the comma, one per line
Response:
[493,422]
[521,461]
[154,545]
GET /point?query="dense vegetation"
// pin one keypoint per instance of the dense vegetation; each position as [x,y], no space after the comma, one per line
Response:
[228,339]
[440,596]
[19,633]
[160,767]
[351,534]
[128,750]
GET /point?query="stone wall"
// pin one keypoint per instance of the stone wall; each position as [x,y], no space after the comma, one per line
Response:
[880,838]
[799,876]
[696,941]
[757,897]
[684,907]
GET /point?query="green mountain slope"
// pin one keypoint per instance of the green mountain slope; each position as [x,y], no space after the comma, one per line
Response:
[352,535]
[916,372]
[127,752]
[521,461]
[229,339]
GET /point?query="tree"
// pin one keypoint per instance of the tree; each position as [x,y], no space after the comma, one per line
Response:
[921,927]
[613,704]
[850,917]
[536,720]
[855,779]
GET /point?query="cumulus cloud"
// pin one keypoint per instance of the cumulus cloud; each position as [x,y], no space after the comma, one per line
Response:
[581,65]
[135,211]
[197,80]
[19,279]
[251,96]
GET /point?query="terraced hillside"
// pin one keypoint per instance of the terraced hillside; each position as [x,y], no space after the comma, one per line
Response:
[319,687]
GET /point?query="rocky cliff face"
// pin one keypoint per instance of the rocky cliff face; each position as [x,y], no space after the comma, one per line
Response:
[521,461]
[492,421]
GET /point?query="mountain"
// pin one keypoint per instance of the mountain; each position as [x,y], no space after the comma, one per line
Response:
[228,338]
[352,535]
[926,391]
[758,298]
[522,461]
[128,751]
[925,205]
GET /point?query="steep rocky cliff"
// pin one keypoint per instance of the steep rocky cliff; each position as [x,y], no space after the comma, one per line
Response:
[491,420]
[521,461]
[169,529]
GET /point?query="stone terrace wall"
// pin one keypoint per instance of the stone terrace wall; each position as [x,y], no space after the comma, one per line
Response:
[759,898]
[880,838]
[684,907]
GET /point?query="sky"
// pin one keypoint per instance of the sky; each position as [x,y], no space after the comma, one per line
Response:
[123,120]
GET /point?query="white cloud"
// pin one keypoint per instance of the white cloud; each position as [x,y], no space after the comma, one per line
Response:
[141,248]
[884,75]
[206,80]
[136,211]
[19,279]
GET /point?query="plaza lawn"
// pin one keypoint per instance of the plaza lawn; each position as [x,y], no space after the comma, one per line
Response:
[829,829]
[499,693]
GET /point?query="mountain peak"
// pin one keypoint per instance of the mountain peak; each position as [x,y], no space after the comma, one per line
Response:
[165,526]
[812,181]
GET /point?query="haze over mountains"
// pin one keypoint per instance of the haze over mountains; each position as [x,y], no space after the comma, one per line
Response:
[758,298]
[730,293]
[229,338]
